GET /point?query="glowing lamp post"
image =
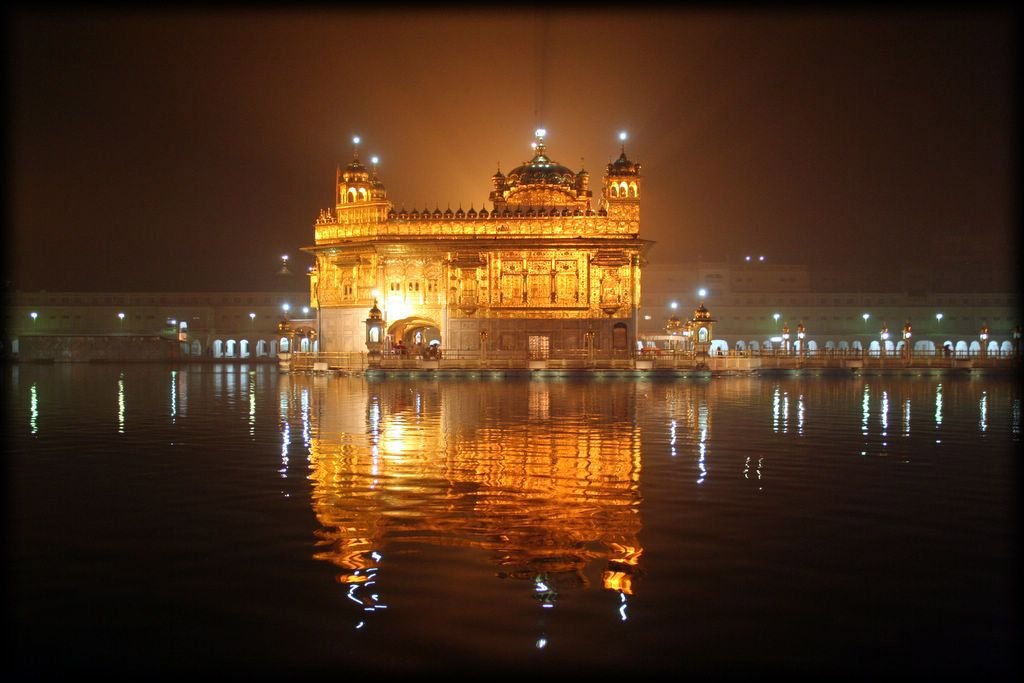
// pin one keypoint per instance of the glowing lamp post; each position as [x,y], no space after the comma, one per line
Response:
[776,316]
[785,338]
[906,339]
[885,337]
[800,334]
[374,335]
[983,334]
[252,320]
[120,316]
[33,315]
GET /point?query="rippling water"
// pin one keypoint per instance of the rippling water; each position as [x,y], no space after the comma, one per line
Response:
[170,519]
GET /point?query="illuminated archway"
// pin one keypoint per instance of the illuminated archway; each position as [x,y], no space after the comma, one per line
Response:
[413,330]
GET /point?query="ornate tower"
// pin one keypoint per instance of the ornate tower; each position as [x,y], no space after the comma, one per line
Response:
[361,196]
[622,189]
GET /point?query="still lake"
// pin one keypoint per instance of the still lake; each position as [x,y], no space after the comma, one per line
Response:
[180,519]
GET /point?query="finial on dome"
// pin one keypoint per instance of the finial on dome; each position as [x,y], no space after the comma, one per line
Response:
[355,147]
[622,139]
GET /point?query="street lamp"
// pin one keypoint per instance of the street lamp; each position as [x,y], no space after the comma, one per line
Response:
[785,338]
[776,316]
[121,318]
[906,339]
[252,320]
[984,338]
[702,292]
[286,307]
[800,333]
[885,337]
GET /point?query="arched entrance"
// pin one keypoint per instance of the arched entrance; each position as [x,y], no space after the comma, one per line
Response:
[417,335]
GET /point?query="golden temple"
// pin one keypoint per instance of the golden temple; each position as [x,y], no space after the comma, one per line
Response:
[542,270]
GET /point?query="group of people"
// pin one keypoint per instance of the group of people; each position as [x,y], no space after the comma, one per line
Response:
[430,351]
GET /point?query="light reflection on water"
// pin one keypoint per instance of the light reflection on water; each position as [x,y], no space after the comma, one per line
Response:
[610,523]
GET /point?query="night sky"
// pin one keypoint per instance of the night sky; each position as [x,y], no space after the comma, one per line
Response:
[174,151]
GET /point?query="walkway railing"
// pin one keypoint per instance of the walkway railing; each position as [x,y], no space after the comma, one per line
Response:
[576,359]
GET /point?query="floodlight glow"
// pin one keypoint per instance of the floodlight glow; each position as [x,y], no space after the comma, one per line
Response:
[121,316]
[673,305]
[355,140]
[938,316]
[760,258]
[374,160]
[305,310]
[541,132]
[702,292]
[748,258]
[284,257]
[622,136]
[33,315]
[285,307]
[252,316]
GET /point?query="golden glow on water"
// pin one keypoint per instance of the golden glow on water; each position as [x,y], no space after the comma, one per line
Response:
[33,409]
[120,404]
[545,496]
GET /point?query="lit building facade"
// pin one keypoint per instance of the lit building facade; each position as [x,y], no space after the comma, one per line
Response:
[536,273]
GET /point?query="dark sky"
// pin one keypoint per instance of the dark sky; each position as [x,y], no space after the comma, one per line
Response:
[175,151]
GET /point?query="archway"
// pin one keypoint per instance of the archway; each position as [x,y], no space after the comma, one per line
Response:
[243,348]
[197,348]
[416,334]
[218,348]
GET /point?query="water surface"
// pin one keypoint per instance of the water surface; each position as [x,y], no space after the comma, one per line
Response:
[183,518]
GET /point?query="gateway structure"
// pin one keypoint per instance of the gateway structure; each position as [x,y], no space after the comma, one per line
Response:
[542,271]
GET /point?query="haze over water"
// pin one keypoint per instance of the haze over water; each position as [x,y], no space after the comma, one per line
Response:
[178,518]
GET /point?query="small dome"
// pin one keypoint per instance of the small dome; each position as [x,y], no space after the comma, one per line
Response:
[623,166]
[483,213]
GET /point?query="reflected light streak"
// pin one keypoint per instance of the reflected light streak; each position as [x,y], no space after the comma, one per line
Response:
[286,434]
[906,417]
[305,418]
[174,395]
[1015,417]
[800,414]
[775,409]
[33,409]
[938,405]
[622,607]
[785,412]
[865,410]
[252,408]
[983,410]
[672,438]
[885,414]
[702,424]
[120,404]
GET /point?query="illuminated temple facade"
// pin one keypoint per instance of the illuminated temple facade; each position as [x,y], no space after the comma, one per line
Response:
[537,272]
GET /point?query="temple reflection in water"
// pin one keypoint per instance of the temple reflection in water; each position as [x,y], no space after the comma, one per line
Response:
[540,475]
